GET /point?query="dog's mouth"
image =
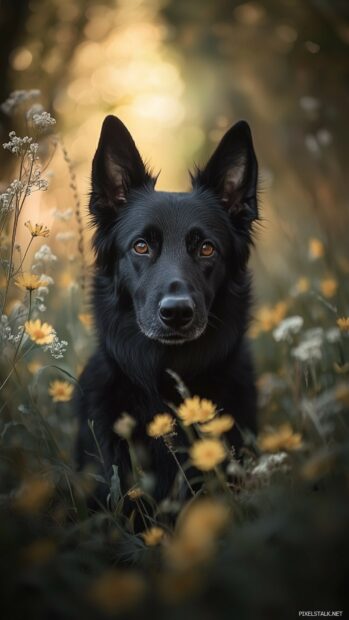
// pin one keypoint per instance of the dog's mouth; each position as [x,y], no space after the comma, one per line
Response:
[173,338]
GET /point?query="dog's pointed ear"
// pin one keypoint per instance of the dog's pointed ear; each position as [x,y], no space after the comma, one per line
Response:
[117,165]
[232,172]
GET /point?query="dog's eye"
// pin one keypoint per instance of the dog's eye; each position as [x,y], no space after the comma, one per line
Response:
[141,247]
[206,249]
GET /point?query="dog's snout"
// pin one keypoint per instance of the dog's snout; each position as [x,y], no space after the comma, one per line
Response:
[176,312]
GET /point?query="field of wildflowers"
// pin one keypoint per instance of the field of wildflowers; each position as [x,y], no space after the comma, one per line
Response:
[266,536]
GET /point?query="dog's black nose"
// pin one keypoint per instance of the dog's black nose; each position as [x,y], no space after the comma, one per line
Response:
[176,312]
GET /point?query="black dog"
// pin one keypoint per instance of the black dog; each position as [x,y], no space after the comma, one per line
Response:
[171,291]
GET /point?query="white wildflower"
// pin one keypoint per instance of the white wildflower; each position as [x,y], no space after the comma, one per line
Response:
[333,335]
[42,290]
[310,349]
[309,104]
[17,97]
[43,120]
[37,108]
[18,145]
[45,254]
[269,462]
[65,236]
[289,326]
[324,137]
[312,144]
[33,150]
[46,280]
[64,216]
[57,347]
[314,333]
[234,469]
[7,335]
[7,203]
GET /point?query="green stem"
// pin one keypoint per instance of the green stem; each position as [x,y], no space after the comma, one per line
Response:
[15,358]
[23,259]
[167,444]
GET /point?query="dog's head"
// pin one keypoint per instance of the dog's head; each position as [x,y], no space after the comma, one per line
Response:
[169,253]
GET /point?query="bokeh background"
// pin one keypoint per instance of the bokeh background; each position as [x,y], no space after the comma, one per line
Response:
[179,74]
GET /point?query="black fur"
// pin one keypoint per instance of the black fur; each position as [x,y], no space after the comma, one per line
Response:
[128,372]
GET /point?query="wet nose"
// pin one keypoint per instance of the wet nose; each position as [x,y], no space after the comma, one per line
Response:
[176,312]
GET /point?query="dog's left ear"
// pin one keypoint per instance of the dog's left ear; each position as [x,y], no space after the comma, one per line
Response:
[232,172]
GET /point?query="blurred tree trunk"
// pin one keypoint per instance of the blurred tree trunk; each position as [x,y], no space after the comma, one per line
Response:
[13,15]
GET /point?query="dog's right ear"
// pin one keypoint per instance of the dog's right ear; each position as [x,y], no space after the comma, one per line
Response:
[117,167]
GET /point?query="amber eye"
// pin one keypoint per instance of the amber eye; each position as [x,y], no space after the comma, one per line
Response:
[207,249]
[141,247]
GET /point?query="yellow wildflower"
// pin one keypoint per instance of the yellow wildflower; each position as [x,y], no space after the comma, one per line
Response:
[65,279]
[135,493]
[198,526]
[268,317]
[206,454]
[196,410]
[342,393]
[343,324]
[162,424]
[203,517]
[41,333]
[33,495]
[341,369]
[38,230]
[86,319]
[38,552]
[154,536]
[317,466]
[61,391]
[176,586]
[316,248]
[29,281]
[34,366]
[302,285]
[218,426]
[282,438]
[116,590]
[124,426]
[328,287]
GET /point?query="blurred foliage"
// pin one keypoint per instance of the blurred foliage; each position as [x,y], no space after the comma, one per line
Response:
[178,74]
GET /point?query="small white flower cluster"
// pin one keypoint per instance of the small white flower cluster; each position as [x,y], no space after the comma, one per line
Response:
[269,462]
[18,145]
[310,349]
[43,120]
[65,236]
[42,291]
[36,182]
[6,333]
[315,142]
[63,216]
[287,328]
[17,97]
[7,203]
[45,254]
[333,335]
[37,108]
[57,347]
